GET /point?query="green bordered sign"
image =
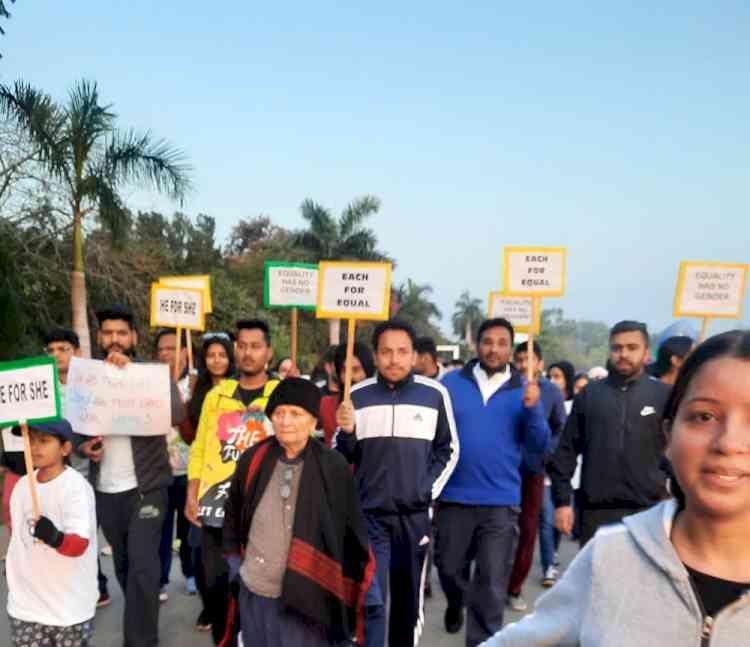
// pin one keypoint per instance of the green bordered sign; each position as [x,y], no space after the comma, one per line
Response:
[290,285]
[29,391]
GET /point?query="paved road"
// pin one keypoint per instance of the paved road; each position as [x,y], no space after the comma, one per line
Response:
[178,615]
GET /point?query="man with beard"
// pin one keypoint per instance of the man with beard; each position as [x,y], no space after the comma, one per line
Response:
[232,420]
[130,476]
[615,425]
[498,415]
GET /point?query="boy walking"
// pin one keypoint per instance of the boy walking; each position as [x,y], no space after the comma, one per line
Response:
[51,565]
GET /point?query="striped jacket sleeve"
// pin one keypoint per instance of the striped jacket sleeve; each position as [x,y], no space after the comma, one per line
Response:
[445,447]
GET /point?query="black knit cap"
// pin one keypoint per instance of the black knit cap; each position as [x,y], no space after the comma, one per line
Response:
[298,392]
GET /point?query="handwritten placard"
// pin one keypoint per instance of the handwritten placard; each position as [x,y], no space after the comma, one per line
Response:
[103,400]
[352,290]
[534,271]
[714,290]
[177,307]
[518,310]
[29,391]
[290,285]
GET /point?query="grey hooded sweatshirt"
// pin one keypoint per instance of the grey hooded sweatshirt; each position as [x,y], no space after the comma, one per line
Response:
[628,588]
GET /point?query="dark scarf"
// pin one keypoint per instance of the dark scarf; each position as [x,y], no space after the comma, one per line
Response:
[330,566]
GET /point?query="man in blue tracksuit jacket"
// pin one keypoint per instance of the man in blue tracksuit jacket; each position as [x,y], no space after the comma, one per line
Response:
[398,430]
[498,416]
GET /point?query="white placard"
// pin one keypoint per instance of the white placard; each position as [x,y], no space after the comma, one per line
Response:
[710,290]
[103,400]
[291,286]
[517,310]
[535,271]
[354,290]
[28,391]
[177,307]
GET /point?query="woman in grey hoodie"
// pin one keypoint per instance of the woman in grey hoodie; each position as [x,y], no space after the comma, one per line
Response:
[676,575]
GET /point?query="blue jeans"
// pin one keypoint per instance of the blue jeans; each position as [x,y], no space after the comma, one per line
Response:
[549,536]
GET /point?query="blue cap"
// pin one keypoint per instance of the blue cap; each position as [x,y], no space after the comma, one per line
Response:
[60,428]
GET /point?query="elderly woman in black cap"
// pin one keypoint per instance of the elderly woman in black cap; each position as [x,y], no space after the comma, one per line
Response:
[294,533]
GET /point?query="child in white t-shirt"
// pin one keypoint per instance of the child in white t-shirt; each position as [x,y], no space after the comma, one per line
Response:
[51,563]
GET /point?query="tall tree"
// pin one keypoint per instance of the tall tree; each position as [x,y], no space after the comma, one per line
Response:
[466,318]
[81,147]
[337,239]
[418,309]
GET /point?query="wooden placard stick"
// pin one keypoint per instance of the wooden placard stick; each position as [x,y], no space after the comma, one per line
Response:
[177,356]
[530,350]
[35,511]
[294,336]
[704,329]
[189,342]
[349,357]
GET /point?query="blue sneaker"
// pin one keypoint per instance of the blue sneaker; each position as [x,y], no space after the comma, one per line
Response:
[190,588]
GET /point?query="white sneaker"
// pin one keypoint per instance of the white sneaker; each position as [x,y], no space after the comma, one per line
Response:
[550,577]
[163,595]
[517,603]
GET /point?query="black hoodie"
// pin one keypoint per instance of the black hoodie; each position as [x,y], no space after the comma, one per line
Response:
[616,426]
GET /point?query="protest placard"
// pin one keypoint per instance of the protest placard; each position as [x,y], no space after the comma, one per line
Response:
[534,271]
[104,400]
[196,282]
[293,286]
[290,285]
[29,391]
[519,311]
[710,290]
[29,394]
[353,290]
[706,289]
[180,308]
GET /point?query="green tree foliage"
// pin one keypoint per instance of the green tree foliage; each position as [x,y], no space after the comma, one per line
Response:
[418,309]
[583,343]
[466,318]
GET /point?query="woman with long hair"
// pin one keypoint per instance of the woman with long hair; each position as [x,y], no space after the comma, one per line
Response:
[679,573]
[215,363]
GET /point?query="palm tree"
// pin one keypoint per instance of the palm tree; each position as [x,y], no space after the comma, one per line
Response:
[466,318]
[346,238]
[416,307]
[80,147]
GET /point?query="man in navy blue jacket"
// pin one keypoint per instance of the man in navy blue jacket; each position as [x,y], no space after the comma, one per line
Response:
[399,432]
[498,415]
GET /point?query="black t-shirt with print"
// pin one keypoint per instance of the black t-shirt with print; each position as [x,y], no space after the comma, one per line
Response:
[246,396]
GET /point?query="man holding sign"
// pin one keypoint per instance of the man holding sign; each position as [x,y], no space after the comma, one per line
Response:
[398,430]
[130,475]
[499,416]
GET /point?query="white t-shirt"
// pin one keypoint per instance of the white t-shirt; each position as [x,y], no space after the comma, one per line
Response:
[117,468]
[43,585]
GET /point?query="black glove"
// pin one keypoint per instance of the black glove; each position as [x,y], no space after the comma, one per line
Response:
[45,531]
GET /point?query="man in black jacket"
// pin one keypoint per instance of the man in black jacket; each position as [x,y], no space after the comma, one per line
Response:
[130,476]
[615,425]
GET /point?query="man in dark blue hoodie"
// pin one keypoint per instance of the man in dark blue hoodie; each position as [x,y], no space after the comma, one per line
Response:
[498,416]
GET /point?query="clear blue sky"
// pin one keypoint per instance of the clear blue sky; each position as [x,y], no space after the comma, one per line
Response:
[620,130]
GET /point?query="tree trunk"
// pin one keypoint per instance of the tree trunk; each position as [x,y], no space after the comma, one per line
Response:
[467,335]
[334,332]
[78,299]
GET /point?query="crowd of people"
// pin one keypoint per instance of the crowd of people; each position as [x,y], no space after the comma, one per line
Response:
[306,517]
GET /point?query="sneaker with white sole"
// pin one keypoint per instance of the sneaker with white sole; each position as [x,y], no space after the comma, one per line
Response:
[517,603]
[550,577]
[163,595]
